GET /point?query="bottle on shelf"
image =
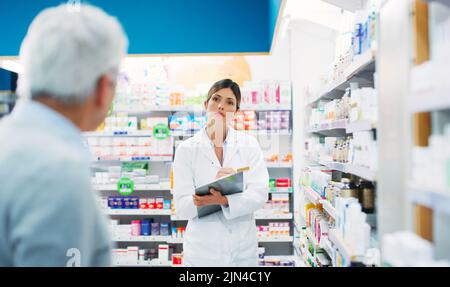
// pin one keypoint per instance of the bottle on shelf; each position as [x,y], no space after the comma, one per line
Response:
[367,196]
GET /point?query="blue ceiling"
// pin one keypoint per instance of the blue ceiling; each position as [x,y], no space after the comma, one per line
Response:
[166,26]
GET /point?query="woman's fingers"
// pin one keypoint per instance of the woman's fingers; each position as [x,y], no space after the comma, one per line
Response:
[225,172]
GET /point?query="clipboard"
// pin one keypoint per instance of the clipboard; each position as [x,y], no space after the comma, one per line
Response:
[228,185]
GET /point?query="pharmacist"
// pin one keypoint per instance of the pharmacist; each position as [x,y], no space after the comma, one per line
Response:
[227,237]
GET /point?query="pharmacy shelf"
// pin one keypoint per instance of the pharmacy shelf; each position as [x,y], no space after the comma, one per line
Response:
[280,258]
[430,88]
[266,107]
[330,126]
[178,218]
[145,264]
[150,109]
[138,212]
[138,133]
[279,164]
[249,132]
[326,246]
[302,256]
[311,195]
[434,100]
[359,171]
[137,187]
[297,226]
[197,108]
[349,5]
[312,239]
[360,126]
[175,240]
[133,158]
[269,132]
[307,256]
[438,200]
[281,190]
[277,239]
[130,238]
[343,248]
[361,64]
[329,208]
[344,126]
[273,216]
[445,2]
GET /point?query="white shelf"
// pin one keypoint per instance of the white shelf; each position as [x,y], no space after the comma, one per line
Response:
[269,132]
[250,132]
[142,238]
[438,200]
[350,5]
[311,195]
[277,239]
[138,133]
[279,164]
[172,240]
[273,216]
[178,218]
[312,239]
[281,190]
[137,187]
[330,126]
[336,238]
[360,171]
[266,107]
[360,126]
[137,211]
[329,208]
[150,109]
[361,63]
[152,263]
[198,109]
[430,88]
[134,158]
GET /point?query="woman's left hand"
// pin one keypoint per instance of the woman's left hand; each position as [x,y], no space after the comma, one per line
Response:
[216,198]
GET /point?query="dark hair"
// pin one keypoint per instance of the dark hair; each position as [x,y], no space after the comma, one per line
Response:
[223,84]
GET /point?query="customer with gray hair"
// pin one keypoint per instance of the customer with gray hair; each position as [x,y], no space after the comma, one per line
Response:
[48,211]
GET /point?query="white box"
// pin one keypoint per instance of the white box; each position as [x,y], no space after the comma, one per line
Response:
[163,252]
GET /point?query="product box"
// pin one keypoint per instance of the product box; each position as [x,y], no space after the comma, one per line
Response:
[159,203]
[155,229]
[163,252]
[164,229]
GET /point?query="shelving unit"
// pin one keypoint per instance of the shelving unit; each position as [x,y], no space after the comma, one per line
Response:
[137,187]
[273,216]
[277,239]
[361,65]
[360,71]
[276,170]
[138,212]
[430,88]
[438,200]
[344,249]
[359,171]
[329,208]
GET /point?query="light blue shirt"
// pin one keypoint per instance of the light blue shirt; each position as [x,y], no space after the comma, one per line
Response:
[48,211]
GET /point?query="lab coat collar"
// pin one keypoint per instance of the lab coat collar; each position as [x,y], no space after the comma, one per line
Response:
[203,142]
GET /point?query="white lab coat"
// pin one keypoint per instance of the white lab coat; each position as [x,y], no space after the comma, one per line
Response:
[228,237]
